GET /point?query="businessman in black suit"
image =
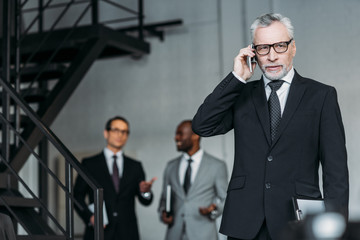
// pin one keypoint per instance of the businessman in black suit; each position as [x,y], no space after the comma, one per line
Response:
[122,179]
[278,148]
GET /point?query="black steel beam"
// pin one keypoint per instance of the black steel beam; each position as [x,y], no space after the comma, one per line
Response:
[156,25]
[5,106]
[80,35]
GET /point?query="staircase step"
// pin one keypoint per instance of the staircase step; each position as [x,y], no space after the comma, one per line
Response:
[34,95]
[14,199]
[24,120]
[52,71]
[40,237]
[25,210]
[34,223]
[3,167]
[19,201]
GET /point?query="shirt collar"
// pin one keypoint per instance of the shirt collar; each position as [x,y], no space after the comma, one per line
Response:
[109,154]
[288,77]
[196,157]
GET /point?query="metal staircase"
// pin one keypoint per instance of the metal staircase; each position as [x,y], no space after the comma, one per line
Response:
[43,61]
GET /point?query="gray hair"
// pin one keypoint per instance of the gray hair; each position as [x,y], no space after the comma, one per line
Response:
[267,19]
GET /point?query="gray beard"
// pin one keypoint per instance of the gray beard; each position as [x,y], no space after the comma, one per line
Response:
[271,77]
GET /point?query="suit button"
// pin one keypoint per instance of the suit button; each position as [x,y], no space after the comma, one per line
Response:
[267,185]
[115,214]
[270,158]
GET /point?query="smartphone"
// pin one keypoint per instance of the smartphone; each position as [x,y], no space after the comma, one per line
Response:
[251,60]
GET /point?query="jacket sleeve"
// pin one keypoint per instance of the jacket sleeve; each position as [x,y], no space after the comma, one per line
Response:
[141,177]
[221,184]
[333,156]
[215,115]
[162,201]
[81,190]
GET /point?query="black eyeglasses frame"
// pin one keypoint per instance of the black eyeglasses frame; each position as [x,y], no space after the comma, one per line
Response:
[272,45]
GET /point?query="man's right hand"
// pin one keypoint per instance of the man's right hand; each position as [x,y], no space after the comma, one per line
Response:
[92,221]
[167,219]
[240,63]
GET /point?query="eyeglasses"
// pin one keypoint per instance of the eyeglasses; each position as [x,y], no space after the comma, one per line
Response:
[118,131]
[280,47]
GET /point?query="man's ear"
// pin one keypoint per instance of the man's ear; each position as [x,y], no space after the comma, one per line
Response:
[106,134]
[195,137]
[294,48]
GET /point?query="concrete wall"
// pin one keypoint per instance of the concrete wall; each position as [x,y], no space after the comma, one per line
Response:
[158,91]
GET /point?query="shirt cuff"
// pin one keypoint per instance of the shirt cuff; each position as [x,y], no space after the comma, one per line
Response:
[146,195]
[213,214]
[238,77]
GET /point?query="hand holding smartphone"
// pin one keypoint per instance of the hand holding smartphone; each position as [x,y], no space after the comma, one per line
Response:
[251,60]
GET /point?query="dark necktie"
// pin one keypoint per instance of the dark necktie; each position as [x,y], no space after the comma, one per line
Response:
[274,107]
[187,179]
[115,175]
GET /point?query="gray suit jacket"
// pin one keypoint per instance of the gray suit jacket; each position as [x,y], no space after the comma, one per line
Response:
[208,187]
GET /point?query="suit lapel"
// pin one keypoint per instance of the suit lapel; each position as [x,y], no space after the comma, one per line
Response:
[126,173]
[177,177]
[262,109]
[200,175]
[296,93]
[104,168]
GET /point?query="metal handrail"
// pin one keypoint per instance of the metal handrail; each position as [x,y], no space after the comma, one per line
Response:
[47,35]
[121,7]
[63,12]
[69,158]
[57,5]
[32,194]
[54,53]
[21,105]
[138,14]
[48,170]
[36,18]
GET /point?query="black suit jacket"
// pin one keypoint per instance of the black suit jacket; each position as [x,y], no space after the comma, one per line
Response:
[120,206]
[267,175]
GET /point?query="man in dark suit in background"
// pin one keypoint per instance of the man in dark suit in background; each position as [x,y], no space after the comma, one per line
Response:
[122,179]
[285,125]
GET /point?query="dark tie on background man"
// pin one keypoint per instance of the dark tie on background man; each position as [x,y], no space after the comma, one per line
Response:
[274,107]
[187,179]
[115,175]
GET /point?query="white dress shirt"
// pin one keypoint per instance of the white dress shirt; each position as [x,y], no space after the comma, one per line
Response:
[194,165]
[110,161]
[283,91]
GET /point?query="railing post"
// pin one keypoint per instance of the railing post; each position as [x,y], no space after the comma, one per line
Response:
[43,176]
[98,207]
[141,19]
[41,16]
[17,26]
[69,201]
[6,77]
[94,12]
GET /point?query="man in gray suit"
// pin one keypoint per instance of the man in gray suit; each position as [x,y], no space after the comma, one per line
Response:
[198,184]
